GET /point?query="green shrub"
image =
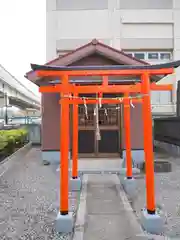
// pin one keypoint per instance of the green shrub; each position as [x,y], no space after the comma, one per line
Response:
[11,139]
[3,141]
[11,145]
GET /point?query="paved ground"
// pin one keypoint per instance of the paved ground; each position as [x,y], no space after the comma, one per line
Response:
[167,196]
[28,200]
[107,218]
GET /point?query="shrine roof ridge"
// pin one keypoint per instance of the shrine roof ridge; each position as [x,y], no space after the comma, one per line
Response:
[173,64]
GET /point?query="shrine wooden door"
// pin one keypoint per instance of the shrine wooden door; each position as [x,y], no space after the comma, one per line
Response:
[109,127]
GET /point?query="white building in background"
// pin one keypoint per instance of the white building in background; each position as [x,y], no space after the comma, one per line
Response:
[146,29]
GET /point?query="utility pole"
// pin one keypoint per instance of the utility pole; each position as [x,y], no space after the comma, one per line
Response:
[6,108]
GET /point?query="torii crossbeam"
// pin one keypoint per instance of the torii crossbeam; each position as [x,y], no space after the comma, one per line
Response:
[66,90]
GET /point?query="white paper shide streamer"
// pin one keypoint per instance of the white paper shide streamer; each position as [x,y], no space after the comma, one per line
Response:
[85,107]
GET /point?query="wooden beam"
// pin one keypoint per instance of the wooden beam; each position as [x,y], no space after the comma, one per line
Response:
[90,89]
[103,101]
[103,88]
[107,89]
[49,89]
[129,72]
[161,87]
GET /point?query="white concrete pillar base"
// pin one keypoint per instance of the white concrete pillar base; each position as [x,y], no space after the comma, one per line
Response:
[152,223]
[75,184]
[64,223]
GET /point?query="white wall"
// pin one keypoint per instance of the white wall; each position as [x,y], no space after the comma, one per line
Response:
[115,24]
[147,16]
[146,4]
[122,24]
[148,30]
[79,25]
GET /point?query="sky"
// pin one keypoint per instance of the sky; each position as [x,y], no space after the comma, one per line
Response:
[22,36]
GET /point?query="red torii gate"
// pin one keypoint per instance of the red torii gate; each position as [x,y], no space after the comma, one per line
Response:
[65,89]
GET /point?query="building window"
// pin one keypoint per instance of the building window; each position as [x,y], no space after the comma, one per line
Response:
[139,55]
[153,56]
[165,56]
[148,56]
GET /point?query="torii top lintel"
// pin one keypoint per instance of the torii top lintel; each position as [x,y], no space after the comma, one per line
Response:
[121,70]
[158,69]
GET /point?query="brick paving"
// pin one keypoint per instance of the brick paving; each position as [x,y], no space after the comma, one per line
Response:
[167,186]
[28,200]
